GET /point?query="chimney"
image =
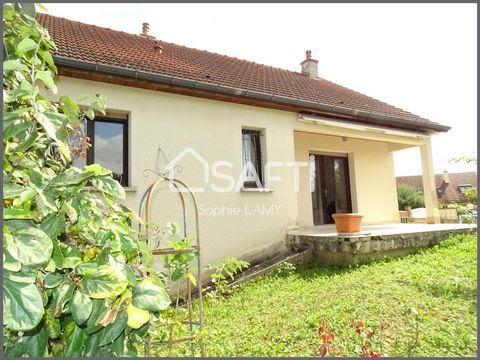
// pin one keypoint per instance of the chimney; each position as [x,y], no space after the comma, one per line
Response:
[446,179]
[145,29]
[309,65]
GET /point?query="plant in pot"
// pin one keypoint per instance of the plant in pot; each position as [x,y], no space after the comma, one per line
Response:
[348,222]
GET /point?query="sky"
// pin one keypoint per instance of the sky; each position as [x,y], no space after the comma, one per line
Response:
[419,57]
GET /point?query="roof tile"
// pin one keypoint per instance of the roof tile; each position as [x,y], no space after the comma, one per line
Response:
[91,43]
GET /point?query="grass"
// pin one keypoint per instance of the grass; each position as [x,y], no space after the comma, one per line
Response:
[277,315]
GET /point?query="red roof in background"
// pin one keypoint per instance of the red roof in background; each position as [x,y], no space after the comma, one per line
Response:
[79,41]
[448,192]
[455,179]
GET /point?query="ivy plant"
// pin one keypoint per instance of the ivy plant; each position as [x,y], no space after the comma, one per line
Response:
[77,279]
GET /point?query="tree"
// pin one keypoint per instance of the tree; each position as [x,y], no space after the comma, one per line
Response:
[409,196]
[77,279]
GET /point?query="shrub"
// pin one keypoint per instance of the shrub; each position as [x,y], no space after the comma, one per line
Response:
[77,280]
[225,270]
[409,196]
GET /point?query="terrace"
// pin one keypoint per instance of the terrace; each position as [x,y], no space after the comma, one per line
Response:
[372,242]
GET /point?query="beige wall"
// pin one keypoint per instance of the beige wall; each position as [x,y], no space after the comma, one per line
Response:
[372,179]
[213,129]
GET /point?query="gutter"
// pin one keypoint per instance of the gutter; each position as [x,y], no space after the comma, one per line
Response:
[221,89]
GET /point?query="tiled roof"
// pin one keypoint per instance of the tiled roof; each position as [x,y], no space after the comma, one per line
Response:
[447,192]
[456,179]
[89,43]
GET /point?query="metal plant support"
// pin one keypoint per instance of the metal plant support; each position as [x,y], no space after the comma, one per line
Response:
[184,193]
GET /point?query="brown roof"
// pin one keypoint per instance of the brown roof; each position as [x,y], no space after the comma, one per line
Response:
[447,192]
[454,178]
[93,44]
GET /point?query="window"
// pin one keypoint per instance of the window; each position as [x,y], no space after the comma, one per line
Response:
[464,187]
[109,140]
[252,157]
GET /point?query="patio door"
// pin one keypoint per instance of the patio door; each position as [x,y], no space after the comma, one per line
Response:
[330,187]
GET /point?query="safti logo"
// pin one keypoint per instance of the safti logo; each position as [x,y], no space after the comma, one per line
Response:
[222,170]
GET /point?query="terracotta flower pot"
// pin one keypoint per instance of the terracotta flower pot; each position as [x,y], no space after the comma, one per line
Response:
[347,223]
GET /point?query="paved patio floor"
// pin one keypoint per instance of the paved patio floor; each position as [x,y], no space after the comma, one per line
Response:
[380,229]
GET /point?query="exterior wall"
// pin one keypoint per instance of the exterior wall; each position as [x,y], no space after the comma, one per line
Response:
[372,179]
[212,129]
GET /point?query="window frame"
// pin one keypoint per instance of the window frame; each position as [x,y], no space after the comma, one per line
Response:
[90,132]
[259,153]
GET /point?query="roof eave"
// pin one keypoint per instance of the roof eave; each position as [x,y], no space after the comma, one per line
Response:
[300,103]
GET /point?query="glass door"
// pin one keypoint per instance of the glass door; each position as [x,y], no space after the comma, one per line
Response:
[330,187]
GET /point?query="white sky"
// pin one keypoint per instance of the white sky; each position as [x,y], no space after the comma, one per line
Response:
[419,57]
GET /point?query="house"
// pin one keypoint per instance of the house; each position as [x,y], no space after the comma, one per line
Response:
[268,149]
[450,187]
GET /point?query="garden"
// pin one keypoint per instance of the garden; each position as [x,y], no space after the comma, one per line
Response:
[422,305]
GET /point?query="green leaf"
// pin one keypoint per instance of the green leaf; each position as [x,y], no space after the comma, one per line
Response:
[9,263]
[15,127]
[48,59]
[52,324]
[36,341]
[11,65]
[28,142]
[46,77]
[57,255]
[149,294]
[55,125]
[96,170]
[177,274]
[11,190]
[22,306]
[53,280]
[103,282]
[118,346]
[99,309]
[71,176]
[65,294]
[75,339]
[146,253]
[112,331]
[69,256]
[70,109]
[26,45]
[17,350]
[81,307]
[11,213]
[53,225]
[29,245]
[25,275]
[91,345]
[109,186]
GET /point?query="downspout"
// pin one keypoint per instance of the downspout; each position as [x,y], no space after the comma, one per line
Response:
[221,89]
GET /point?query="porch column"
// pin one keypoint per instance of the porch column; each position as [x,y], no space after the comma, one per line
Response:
[429,186]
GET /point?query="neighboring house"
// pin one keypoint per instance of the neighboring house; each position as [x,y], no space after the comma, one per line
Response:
[223,108]
[450,187]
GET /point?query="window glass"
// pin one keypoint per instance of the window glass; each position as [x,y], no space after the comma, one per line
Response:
[252,157]
[313,182]
[341,202]
[108,147]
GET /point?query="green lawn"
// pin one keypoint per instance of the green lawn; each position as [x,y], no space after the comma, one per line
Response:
[278,315]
